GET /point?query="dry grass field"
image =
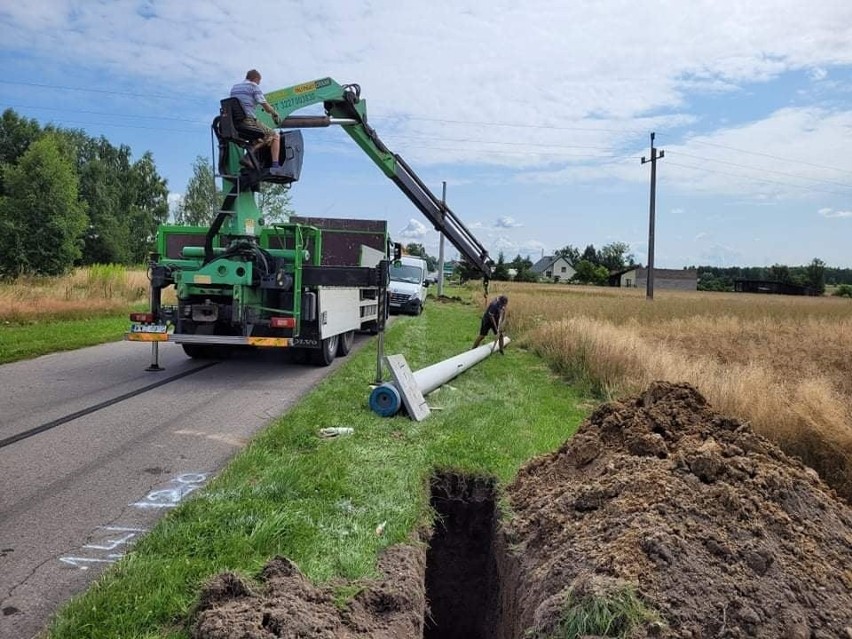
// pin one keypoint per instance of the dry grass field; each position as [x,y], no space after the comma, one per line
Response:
[87,292]
[782,363]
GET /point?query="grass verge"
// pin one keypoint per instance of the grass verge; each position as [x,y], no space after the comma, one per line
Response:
[320,502]
[23,341]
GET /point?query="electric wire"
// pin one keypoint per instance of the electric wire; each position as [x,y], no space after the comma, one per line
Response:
[460,140]
[752,179]
[752,168]
[761,154]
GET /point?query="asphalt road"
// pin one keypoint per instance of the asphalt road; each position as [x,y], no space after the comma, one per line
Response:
[93,450]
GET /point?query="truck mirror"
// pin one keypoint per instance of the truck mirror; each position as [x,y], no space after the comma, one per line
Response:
[397,253]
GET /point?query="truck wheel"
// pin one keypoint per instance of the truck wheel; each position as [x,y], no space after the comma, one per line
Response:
[418,309]
[327,351]
[345,343]
[297,355]
[201,351]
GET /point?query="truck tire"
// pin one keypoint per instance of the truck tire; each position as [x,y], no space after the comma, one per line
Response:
[345,342]
[327,351]
[202,351]
[418,309]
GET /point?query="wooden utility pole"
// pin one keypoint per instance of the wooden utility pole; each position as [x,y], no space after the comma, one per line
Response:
[649,289]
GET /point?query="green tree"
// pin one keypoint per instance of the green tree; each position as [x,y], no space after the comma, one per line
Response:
[590,273]
[201,199]
[815,275]
[501,270]
[589,254]
[149,207]
[416,249]
[274,201]
[41,217]
[570,253]
[523,269]
[104,172]
[780,273]
[16,135]
[615,256]
[844,290]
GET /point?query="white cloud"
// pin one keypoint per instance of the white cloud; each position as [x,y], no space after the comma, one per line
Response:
[508,100]
[817,74]
[701,236]
[539,63]
[414,230]
[507,222]
[831,213]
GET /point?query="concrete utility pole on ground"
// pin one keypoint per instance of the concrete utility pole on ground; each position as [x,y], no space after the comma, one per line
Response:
[441,243]
[649,289]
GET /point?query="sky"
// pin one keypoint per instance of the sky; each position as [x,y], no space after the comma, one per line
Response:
[535,113]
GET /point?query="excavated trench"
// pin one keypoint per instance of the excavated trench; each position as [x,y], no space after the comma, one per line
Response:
[463,563]
[709,528]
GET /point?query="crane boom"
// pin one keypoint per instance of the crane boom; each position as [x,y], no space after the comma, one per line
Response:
[343,105]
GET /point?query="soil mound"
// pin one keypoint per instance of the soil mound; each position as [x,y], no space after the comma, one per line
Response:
[286,604]
[718,531]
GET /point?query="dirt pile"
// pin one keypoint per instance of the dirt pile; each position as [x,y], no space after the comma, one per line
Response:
[689,521]
[718,531]
[287,605]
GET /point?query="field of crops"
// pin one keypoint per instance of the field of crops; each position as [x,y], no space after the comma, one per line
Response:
[93,291]
[782,363]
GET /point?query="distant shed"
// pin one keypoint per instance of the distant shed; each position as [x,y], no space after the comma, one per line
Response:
[664,278]
[772,287]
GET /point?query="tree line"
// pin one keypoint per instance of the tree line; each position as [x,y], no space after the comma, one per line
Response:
[815,275]
[68,199]
[200,203]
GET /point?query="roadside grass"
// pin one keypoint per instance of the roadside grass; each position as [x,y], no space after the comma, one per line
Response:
[332,505]
[41,315]
[23,341]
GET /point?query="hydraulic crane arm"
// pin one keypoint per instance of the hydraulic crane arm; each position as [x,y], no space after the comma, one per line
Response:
[344,106]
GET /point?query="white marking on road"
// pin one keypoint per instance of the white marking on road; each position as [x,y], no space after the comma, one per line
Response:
[216,437]
[77,561]
[171,497]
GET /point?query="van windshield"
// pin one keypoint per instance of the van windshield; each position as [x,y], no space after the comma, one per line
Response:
[406,273]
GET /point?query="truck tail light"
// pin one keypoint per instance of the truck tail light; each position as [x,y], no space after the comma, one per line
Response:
[145,318]
[282,322]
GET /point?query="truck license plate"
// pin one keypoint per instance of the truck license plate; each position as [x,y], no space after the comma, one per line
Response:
[147,328]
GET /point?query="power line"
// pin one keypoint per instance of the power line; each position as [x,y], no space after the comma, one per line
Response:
[181,97]
[768,155]
[466,122]
[752,168]
[130,126]
[479,141]
[755,179]
[527,126]
[111,115]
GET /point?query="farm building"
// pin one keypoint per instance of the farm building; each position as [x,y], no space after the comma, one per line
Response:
[664,278]
[766,286]
[554,267]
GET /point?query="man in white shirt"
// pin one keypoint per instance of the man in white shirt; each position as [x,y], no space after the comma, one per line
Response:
[249,94]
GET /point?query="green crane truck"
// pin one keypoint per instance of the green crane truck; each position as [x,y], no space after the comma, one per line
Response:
[308,284]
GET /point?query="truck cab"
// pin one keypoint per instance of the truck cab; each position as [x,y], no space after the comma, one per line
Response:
[407,287]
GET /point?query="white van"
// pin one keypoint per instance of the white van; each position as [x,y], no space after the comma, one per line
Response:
[407,289]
